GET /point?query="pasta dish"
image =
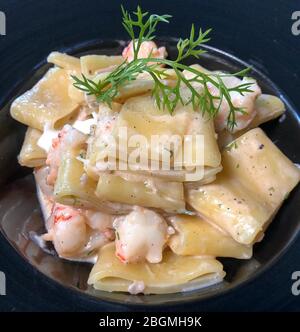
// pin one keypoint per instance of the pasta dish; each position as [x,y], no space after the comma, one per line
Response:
[151,169]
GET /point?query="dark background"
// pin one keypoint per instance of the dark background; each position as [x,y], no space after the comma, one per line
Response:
[256,31]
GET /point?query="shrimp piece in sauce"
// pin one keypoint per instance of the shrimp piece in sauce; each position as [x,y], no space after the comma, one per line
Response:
[147,48]
[67,138]
[68,231]
[245,101]
[141,235]
[76,232]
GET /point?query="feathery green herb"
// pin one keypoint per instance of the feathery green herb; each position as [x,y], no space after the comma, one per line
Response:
[167,96]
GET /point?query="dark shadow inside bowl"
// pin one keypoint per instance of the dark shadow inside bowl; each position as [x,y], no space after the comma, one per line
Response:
[20,214]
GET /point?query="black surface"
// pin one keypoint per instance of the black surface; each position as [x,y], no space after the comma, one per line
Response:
[258,32]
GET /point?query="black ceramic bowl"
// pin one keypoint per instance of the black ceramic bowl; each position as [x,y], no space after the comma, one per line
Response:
[257,31]
[20,215]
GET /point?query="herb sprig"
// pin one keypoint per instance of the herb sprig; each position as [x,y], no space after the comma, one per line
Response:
[143,28]
[146,29]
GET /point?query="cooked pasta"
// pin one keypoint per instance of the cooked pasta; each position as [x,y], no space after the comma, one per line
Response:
[47,102]
[195,236]
[174,274]
[65,61]
[92,64]
[143,190]
[134,171]
[256,178]
[31,155]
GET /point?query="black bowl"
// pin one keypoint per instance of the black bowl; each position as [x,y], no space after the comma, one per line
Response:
[20,215]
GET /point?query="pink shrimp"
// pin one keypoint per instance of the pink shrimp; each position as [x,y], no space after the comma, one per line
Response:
[68,137]
[147,48]
[141,235]
[54,156]
[245,102]
[76,232]
[68,231]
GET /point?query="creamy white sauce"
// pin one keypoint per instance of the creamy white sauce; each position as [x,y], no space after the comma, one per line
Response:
[85,125]
[170,230]
[203,282]
[136,287]
[99,220]
[282,118]
[83,179]
[45,141]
